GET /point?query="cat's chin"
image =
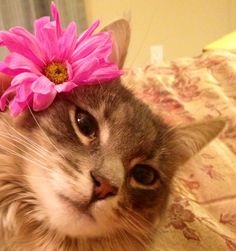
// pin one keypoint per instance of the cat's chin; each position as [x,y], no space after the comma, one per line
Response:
[96,221]
[65,210]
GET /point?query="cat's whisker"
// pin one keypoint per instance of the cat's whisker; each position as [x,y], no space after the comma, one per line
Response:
[132,224]
[31,176]
[10,151]
[23,137]
[135,221]
[37,148]
[39,152]
[164,177]
[21,150]
[40,163]
[124,236]
[132,213]
[181,193]
[45,134]
[109,241]
[132,229]
[14,153]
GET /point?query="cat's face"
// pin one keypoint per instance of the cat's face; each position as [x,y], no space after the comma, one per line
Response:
[99,168]
[96,164]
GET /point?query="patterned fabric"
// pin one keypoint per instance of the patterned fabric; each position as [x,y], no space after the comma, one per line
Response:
[202,209]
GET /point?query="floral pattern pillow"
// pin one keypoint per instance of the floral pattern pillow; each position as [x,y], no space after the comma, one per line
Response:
[202,209]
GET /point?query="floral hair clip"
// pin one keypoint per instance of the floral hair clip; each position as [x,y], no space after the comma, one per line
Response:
[53,60]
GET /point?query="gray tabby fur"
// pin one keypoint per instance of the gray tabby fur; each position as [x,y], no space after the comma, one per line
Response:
[43,158]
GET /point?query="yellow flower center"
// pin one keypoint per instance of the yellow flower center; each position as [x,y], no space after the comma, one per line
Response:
[56,72]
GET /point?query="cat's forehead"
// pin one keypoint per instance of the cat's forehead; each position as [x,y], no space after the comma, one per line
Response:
[111,102]
[122,119]
[108,96]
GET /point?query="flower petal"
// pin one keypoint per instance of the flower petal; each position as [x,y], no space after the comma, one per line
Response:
[69,70]
[1,42]
[49,41]
[97,44]
[38,26]
[21,86]
[30,42]
[82,69]
[88,32]
[105,73]
[23,92]
[21,41]
[16,108]
[94,70]
[18,63]
[3,99]
[24,78]
[41,101]
[65,87]
[86,58]
[56,16]
[67,41]
[5,69]
[42,85]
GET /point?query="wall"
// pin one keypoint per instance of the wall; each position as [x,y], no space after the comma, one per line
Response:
[183,27]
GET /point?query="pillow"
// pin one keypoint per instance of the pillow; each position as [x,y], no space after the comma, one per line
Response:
[227,42]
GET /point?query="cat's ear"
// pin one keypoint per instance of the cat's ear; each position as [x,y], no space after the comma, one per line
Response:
[186,141]
[120,34]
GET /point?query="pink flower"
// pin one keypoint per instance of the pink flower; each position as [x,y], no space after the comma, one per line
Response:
[51,61]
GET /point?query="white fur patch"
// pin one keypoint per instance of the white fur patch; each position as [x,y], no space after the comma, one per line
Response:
[104,134]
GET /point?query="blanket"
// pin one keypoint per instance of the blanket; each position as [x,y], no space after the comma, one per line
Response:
[201,213]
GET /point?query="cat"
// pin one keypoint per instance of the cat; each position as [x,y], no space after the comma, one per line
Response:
[92,172]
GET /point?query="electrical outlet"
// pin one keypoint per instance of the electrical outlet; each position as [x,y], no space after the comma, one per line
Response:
[156,52]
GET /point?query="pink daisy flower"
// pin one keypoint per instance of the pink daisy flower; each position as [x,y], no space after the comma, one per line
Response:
[51,61]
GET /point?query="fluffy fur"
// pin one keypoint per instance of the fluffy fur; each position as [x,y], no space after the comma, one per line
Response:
[46,165]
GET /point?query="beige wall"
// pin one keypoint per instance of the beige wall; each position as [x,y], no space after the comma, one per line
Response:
[183,27]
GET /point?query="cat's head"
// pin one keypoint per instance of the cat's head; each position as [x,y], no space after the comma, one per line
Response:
[99,162]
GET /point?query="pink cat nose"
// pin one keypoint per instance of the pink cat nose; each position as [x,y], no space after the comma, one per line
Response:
[102,188]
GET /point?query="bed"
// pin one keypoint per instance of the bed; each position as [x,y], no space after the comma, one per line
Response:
[201,213]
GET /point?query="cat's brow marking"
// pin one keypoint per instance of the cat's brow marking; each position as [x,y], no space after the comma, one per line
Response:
[104,133]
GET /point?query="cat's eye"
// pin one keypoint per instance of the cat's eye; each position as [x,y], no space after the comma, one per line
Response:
[144,174]
[86,123]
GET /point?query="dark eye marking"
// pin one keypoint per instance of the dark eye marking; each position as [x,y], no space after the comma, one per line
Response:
[86,123]
[145,174]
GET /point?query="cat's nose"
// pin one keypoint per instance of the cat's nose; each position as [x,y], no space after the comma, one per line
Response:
[102,188]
